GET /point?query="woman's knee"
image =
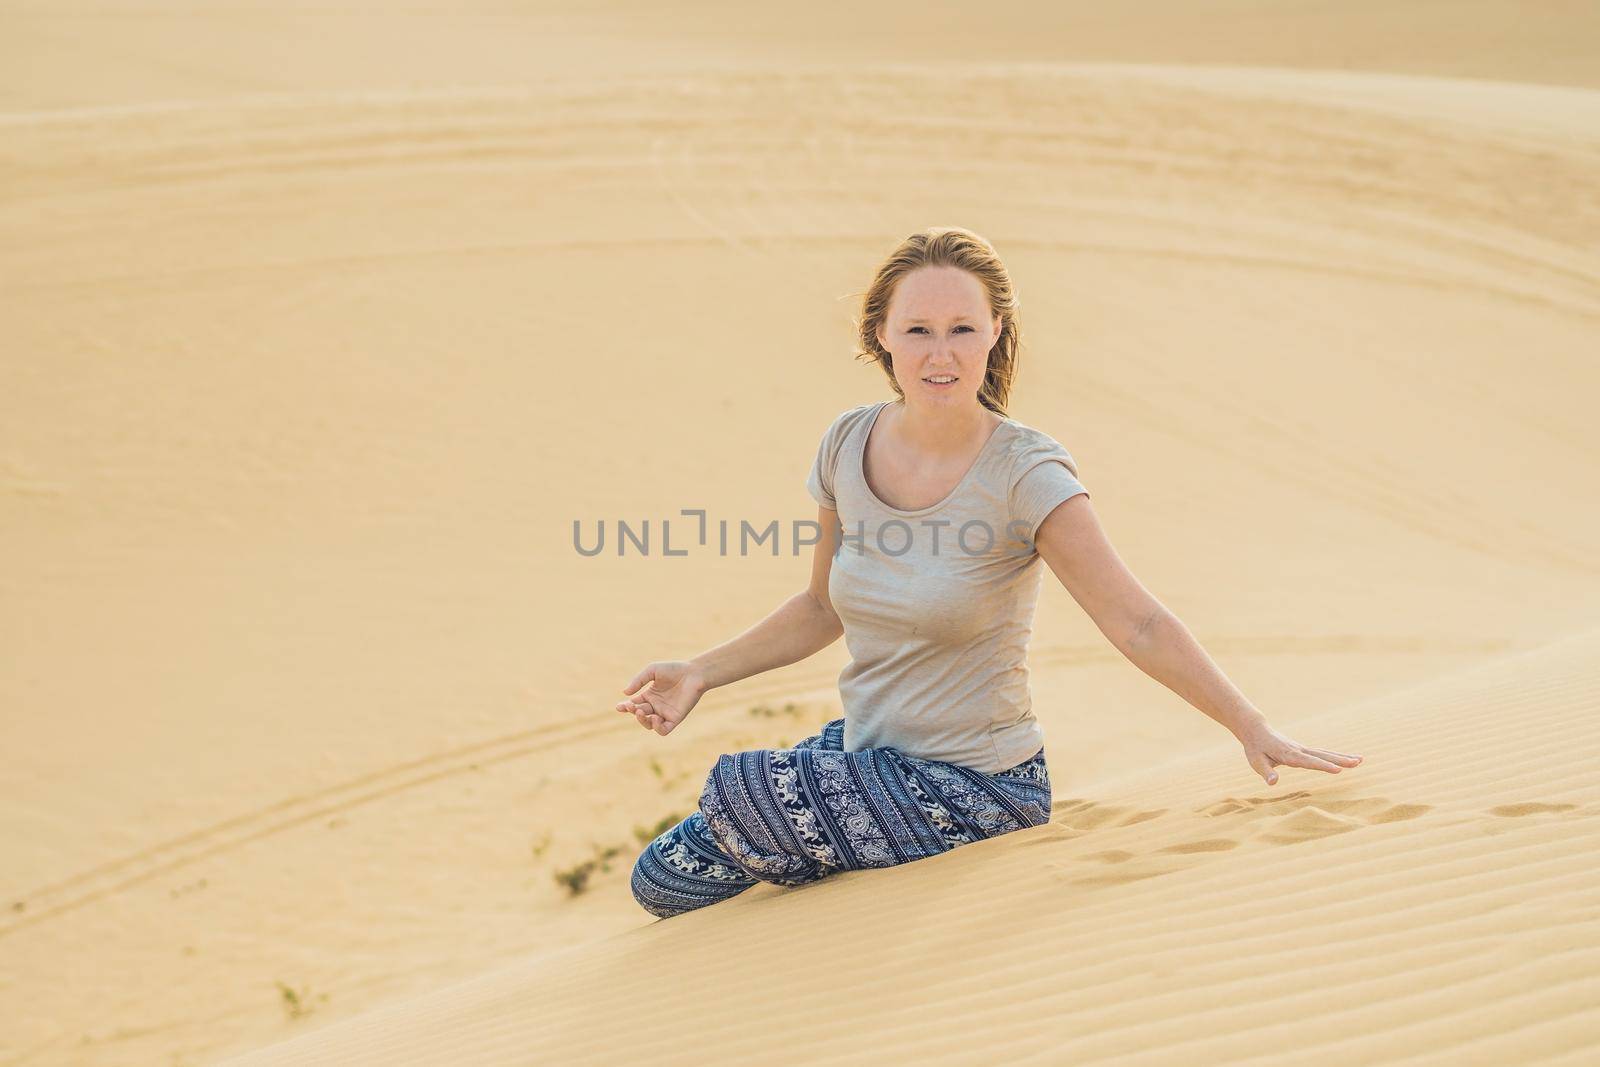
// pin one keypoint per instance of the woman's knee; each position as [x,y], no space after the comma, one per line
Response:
[647,888]
[682,870]
[739,831]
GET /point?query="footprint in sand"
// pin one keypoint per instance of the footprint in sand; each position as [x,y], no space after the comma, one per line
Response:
[1283,820]
[1124,875]
[1523,813]
[1210,844]
[1531,807]
[1299,816]
[1087,815]
[1115,855]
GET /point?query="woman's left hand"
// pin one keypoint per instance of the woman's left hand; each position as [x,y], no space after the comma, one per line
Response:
[1266,748]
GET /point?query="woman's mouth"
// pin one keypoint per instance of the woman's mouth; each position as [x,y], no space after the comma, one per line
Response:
[942,381]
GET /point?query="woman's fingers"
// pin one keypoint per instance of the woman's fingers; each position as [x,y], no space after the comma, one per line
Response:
[1273,750]
[648,715]
[1261,763]
[1302,757]
[637,708]
[648,674]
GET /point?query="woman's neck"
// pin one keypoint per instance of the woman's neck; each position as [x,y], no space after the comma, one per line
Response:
[943,430]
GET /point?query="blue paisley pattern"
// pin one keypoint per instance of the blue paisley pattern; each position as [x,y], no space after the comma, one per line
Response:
[790,816]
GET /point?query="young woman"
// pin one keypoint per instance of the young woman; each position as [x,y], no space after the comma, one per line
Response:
[936,508]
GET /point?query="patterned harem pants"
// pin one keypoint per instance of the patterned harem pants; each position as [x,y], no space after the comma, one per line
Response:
[795,815]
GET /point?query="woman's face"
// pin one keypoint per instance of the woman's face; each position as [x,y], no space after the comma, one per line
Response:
[938,327]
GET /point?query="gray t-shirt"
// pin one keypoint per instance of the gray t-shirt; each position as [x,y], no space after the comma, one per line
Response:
[938,603]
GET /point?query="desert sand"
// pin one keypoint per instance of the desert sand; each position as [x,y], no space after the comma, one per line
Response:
[322,327]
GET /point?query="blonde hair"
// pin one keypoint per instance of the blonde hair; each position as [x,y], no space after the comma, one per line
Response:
[947,246]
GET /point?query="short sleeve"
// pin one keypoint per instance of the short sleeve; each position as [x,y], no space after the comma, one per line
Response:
[1046,477]
[819,483]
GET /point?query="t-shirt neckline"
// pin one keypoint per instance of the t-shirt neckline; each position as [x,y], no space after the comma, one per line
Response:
[861,466]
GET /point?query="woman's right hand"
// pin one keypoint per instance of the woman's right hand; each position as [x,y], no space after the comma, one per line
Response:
[675,687]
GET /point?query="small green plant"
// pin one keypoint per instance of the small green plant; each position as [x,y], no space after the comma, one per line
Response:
[655,765]
[645,834]
[298,1003]
[766,711]
[538,847]
[576,877]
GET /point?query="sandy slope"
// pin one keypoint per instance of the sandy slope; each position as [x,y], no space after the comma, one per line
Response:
[307,378]
[1443,907]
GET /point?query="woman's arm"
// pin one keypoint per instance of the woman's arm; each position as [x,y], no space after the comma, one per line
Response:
[800,626]
[1156,641]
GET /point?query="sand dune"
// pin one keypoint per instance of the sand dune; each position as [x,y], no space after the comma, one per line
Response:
[309,366]
[1441,907]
